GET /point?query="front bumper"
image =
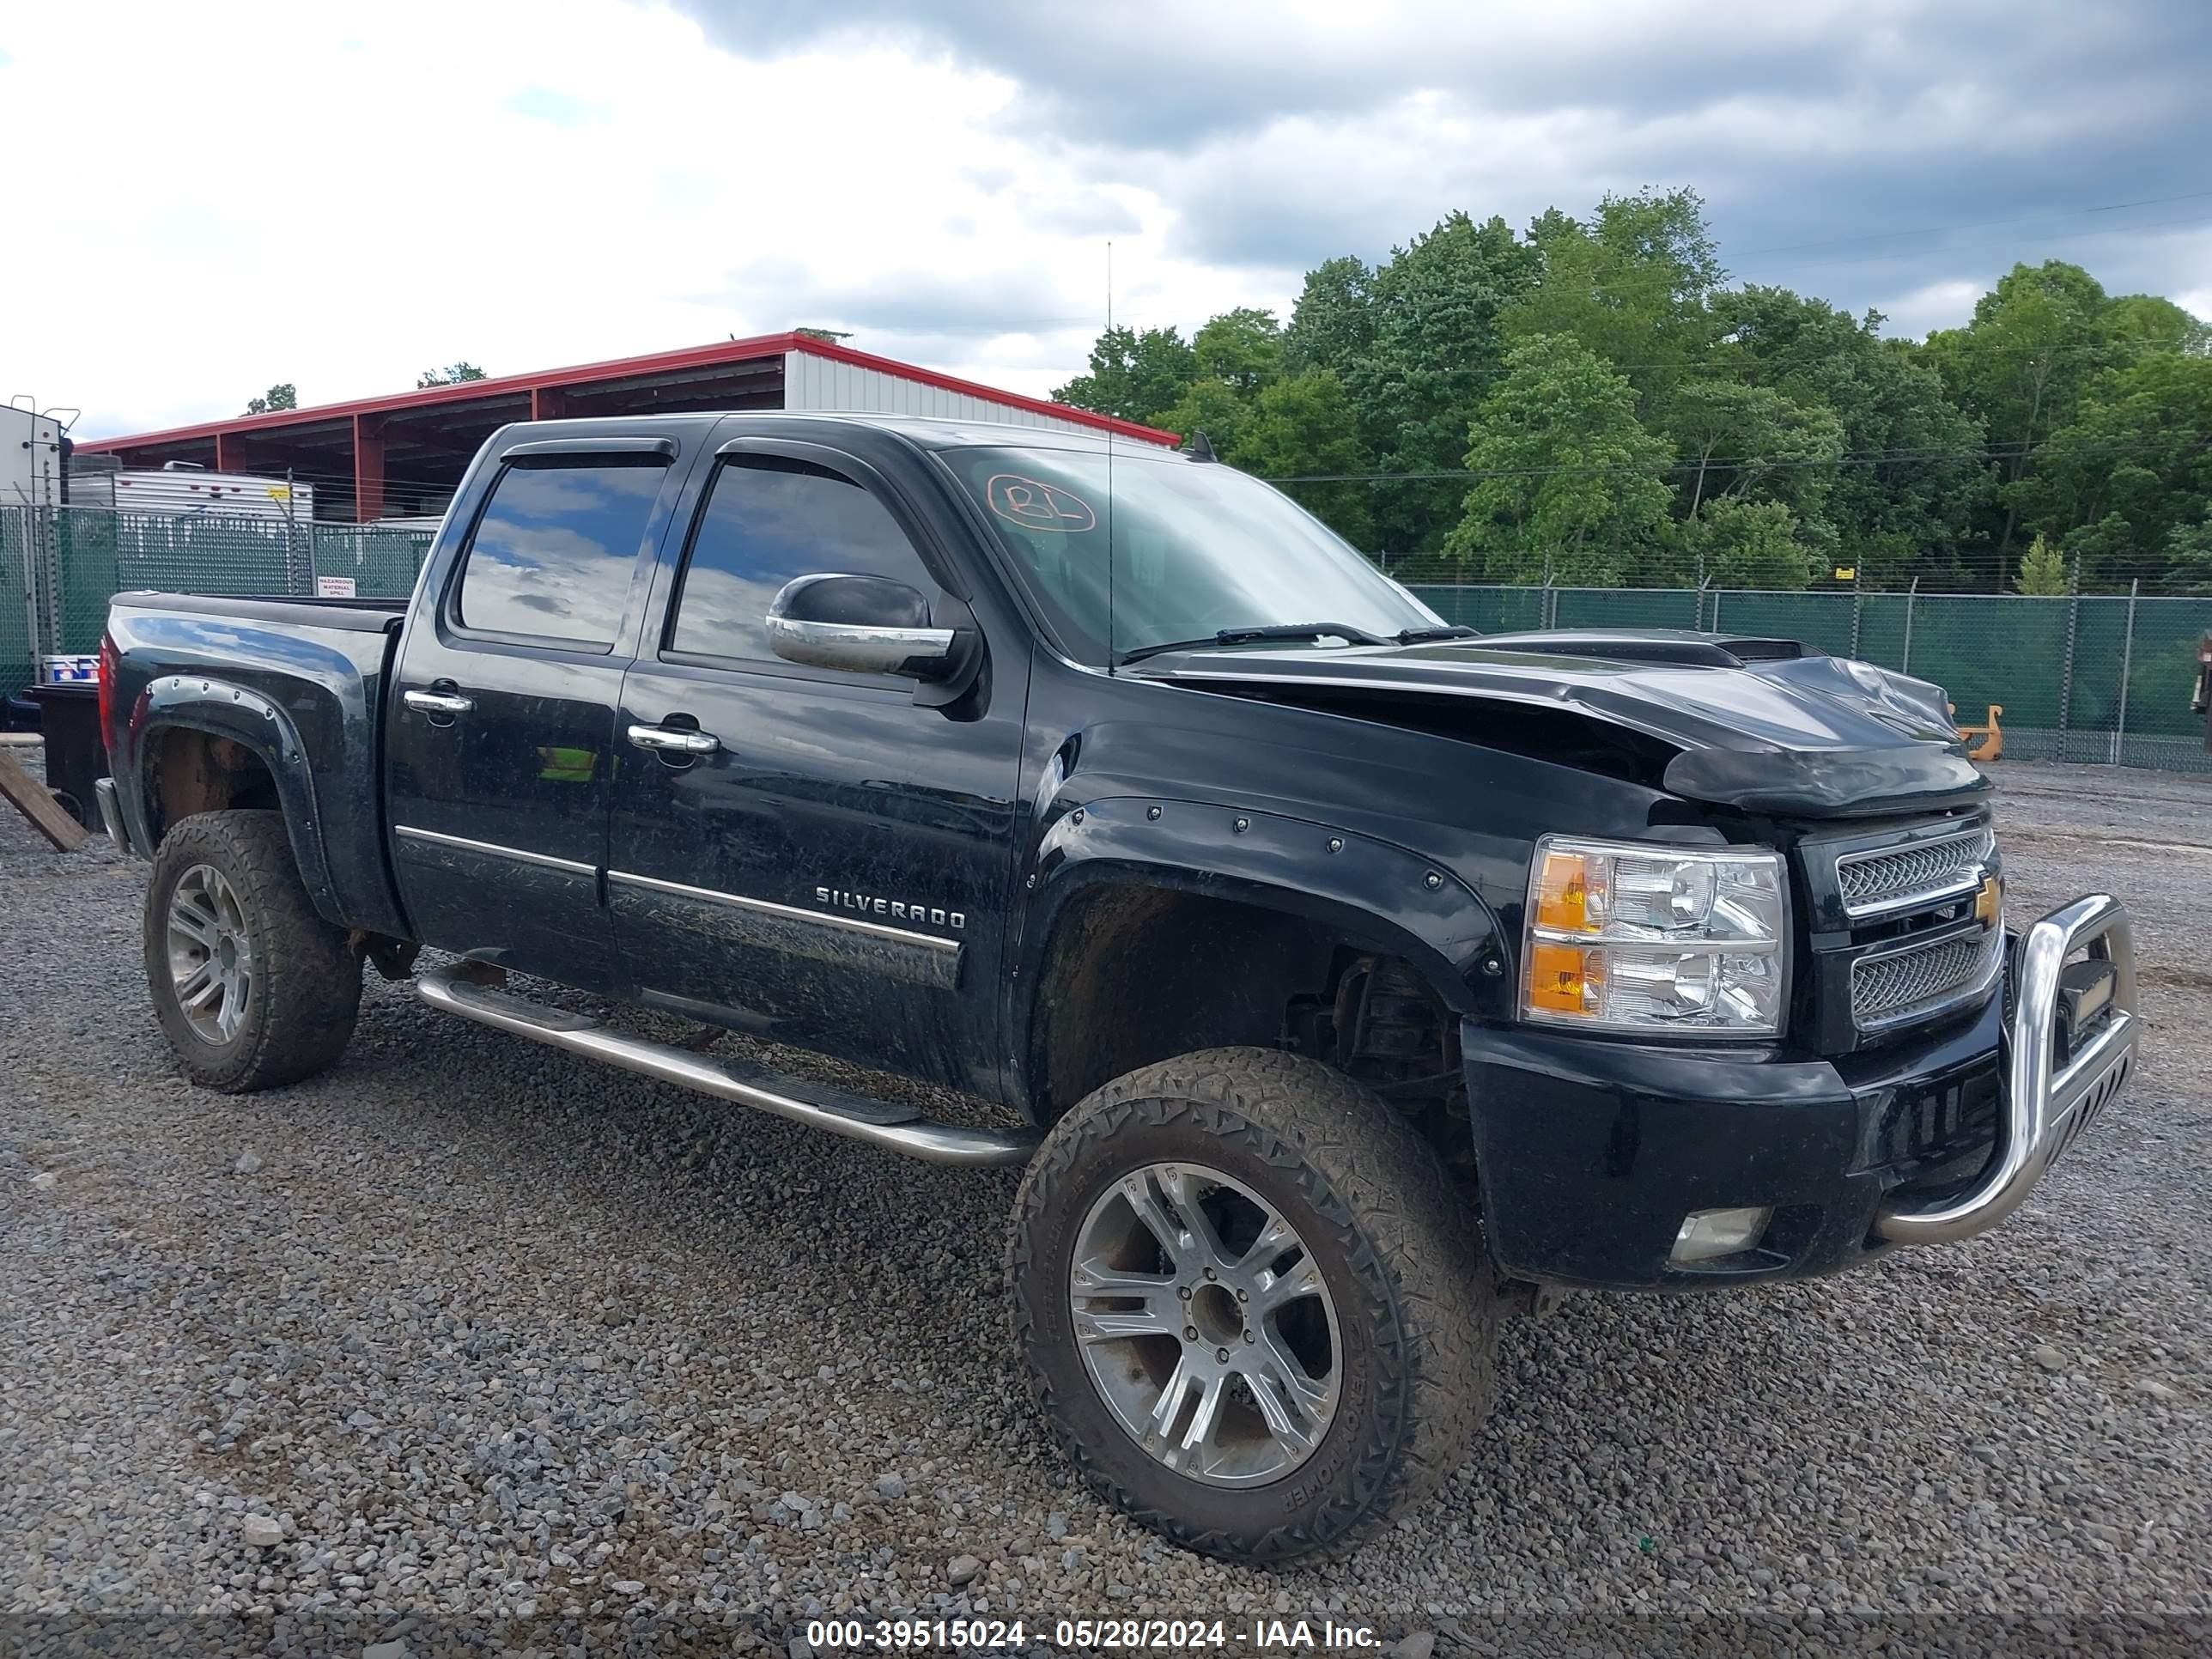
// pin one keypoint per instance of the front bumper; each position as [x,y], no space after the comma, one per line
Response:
[1591,1154]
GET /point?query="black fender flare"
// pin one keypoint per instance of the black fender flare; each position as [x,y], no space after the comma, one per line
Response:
[1372,890]
[257,723]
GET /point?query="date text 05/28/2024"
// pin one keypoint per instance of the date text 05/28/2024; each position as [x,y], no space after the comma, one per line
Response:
[903,1635]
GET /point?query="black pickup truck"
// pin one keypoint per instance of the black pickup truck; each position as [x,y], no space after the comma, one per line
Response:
[1357,981]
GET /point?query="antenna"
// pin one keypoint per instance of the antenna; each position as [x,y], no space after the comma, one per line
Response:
[1110,476]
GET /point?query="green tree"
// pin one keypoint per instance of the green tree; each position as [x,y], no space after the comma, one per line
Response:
[452,374]
[1740,544]
[1435,352]
[2042,569]
[1332,324]
[2148,323]
[1903,506]
[1243,348]
[284,396]
[1303,426]
[1631,284]
[1133,375]
[1213,407]
[2038,339]
[1293,428]
[1751,442]
[2133,466]
[2057,410]
[2189,555]
[1566,479]
[827,336]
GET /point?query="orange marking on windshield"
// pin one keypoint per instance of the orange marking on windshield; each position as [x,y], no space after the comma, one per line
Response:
[1038,506]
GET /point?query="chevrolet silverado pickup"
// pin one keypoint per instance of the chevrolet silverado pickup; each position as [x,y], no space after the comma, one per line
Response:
[1348,981]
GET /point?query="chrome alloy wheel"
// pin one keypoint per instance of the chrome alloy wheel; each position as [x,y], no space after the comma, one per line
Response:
[1205,1325]
[211,955]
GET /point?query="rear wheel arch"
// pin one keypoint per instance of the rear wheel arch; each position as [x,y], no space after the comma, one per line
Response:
[236,751]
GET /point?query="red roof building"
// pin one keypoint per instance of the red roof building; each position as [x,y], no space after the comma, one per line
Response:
[402,455]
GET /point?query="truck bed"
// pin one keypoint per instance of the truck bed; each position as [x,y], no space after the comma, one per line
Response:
[351,615]
[300,683]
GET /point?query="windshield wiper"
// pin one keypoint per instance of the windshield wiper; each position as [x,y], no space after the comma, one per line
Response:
[1249,635]
[1297,631]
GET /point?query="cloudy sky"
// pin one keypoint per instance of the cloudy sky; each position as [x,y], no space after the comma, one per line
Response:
[210,198]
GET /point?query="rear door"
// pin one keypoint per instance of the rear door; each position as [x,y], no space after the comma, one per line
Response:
[833,867]
[500,735]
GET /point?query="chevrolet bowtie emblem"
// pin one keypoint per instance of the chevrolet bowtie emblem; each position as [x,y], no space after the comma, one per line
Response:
[1988,901]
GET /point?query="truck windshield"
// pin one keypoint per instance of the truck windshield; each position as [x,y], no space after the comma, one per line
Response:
[1198,548]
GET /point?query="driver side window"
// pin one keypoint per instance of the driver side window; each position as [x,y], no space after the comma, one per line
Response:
[767,520]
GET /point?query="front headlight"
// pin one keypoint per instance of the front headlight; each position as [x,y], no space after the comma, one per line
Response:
[1624,936]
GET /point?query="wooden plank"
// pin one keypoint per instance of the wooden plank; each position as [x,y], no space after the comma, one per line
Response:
[32,800]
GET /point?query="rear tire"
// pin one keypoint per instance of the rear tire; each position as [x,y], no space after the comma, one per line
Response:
[1401,1306]
[252,988]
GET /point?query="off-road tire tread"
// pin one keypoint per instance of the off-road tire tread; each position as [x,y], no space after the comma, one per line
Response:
[1427,1277]
[309,981]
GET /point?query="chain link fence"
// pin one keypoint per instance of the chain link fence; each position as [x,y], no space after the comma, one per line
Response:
[2102,678]
[19,599]
[2096,677]
[60,566]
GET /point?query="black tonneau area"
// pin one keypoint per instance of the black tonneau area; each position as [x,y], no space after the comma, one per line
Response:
[352,615]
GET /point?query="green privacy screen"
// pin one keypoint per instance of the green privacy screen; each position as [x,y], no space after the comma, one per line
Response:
[2096,678]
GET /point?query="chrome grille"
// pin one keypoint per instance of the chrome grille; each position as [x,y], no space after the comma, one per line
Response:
[1899,878]
[1922,980]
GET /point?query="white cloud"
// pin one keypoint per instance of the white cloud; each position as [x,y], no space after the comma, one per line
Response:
[343,198]
[1936,304]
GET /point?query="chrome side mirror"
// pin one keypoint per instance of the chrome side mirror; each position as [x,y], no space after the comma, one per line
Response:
[861,625]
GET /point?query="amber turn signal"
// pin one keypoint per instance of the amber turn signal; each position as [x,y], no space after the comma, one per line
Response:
[1564,979]
[1563,895]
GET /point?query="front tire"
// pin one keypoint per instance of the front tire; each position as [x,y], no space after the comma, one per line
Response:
[1253,1310]
[252,988]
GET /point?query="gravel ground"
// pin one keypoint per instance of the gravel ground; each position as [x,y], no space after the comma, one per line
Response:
[469,1330]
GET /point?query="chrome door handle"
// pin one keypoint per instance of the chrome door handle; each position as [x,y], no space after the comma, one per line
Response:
[667,737]
[437,702]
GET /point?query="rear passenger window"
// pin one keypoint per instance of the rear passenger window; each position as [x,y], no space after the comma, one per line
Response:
[553,553]
[767,521]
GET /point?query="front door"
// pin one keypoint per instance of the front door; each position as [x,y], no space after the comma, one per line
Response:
[826,860]
[500,737]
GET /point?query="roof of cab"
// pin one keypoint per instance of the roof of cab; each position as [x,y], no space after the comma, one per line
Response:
[932,433]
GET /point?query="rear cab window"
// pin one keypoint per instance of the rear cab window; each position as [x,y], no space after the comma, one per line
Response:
[552,555]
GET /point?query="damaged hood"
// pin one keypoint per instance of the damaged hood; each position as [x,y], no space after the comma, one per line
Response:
[1764,726]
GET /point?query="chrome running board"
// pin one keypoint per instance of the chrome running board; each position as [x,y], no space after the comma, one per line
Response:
[880,1123]
[2043,1109]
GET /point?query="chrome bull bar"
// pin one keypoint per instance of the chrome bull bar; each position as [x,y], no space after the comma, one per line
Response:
[2044,1107]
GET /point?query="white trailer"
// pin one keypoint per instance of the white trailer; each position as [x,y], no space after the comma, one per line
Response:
[188,489]
[30,458]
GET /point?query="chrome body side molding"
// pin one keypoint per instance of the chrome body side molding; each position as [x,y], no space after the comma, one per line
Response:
[646,903]
[490,849]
